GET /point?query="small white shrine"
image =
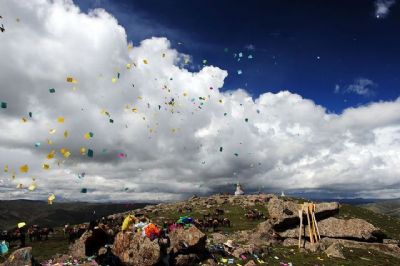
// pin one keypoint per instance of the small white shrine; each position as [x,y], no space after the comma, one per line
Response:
[239,190]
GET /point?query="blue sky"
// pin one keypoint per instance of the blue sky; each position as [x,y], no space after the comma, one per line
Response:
[307,47]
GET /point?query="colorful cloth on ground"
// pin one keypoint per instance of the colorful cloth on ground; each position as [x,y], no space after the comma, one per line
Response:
[140,225]
[127,222]
[184,220]
[151,231]
[3,248]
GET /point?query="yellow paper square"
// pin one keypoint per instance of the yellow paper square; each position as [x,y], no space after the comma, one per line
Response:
[51,155]
[24,168]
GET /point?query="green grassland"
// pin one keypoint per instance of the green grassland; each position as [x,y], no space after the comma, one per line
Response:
[45,249]
[234,213]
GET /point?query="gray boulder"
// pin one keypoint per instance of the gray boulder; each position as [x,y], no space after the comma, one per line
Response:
[284,214]
[135,250]
[335,251]
[389,249]
[20,257]
[339,228]
[192,237]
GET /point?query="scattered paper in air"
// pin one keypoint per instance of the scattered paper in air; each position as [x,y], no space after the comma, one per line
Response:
[24,168]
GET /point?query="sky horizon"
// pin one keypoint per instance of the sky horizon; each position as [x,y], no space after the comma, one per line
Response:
[147,100]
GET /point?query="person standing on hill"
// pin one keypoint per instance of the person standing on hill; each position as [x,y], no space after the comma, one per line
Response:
[164,242]
[22,233]
[94,242]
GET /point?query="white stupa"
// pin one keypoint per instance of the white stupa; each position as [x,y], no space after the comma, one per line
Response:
[283,194]
[239,190]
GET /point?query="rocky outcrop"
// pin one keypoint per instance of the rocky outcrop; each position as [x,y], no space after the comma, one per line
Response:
[338,228]
[218,238]
[284,214]
[190,240]
[22,256]
[77,249]
[335,251]
[250,263]
[391,241]
[389,249]
[135,250]
[265,230]
[289,242]
[263,234]
[210,262]
[186,260]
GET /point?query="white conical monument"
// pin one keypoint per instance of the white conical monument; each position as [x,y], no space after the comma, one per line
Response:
[239,190]
[283,194]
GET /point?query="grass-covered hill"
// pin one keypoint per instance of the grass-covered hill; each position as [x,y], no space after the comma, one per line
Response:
[388,207]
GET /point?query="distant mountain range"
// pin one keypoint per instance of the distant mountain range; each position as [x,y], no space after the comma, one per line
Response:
[389,207]
[58,214]
[351,201]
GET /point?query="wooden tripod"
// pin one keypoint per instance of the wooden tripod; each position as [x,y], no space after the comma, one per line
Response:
[309,209]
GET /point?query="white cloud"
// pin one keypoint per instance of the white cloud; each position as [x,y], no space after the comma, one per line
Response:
[382,8]
[288,142]
[361,86]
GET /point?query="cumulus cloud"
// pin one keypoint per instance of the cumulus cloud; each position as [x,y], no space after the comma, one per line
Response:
[181,133]
[382,8]
[361,86]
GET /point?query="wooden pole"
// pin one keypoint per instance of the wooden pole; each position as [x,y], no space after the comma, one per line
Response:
[309,225]
[313,222]
[301,225]
[316,224]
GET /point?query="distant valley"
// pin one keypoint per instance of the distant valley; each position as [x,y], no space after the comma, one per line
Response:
[58,214]
[388,207]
